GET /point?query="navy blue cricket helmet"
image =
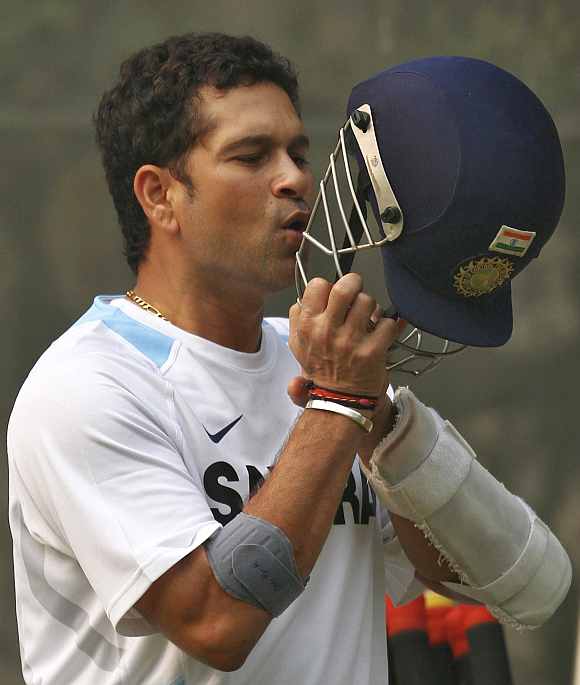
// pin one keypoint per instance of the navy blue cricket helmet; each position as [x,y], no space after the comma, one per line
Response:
[462,167]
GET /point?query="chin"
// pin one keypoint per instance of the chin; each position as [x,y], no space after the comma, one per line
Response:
[280,280]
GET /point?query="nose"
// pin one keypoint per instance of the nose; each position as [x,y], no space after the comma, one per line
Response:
[293,179]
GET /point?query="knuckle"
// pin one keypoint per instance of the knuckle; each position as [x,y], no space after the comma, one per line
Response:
[343,292]
[351,283]
[360,357]
[353,279]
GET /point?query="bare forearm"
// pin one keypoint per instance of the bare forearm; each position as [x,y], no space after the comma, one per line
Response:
[313,468]
[421,553]
[189,605]
[303,493]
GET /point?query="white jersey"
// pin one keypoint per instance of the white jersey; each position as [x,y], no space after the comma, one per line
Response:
[130,443]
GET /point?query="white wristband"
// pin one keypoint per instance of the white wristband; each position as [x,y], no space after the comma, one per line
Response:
[356,416]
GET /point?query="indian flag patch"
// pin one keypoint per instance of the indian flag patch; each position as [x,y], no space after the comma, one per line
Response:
[512,241]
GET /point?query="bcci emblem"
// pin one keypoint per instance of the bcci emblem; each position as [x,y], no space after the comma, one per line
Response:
[481,276]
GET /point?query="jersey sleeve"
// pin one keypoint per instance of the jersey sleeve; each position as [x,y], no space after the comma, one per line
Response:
[98,460]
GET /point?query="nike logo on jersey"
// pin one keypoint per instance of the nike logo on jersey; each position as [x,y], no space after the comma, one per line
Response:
[221,434]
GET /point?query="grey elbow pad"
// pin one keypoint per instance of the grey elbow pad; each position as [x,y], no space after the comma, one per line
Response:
[253,561]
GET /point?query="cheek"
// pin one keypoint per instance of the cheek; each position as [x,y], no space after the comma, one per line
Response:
[240,197]
[310,196]
[245,202]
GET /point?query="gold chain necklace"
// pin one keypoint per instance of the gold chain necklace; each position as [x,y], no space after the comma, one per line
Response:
[132,295]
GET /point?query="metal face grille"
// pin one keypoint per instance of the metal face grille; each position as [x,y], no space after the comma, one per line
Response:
[338,231]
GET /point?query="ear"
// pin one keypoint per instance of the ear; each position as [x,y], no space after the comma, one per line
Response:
[151,185]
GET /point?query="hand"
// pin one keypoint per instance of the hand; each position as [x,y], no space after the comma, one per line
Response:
[331,338]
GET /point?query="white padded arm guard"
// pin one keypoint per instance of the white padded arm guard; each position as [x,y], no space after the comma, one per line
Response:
[507,557]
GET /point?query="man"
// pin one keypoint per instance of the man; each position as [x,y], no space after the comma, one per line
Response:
[176,517]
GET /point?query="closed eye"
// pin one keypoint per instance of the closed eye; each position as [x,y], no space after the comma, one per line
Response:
[300,161]
[256,158]
[250,159]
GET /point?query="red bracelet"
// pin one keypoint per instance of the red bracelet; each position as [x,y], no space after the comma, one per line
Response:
[346,395]
[362,402]
[346,399]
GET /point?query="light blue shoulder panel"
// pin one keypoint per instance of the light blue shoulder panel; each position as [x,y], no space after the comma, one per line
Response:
[148,341]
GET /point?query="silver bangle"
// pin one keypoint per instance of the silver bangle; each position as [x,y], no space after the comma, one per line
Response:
[356,416]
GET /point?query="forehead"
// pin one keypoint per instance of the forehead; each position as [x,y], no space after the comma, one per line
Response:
[257,109]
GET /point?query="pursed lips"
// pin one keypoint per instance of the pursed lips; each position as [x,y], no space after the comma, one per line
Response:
[297,221]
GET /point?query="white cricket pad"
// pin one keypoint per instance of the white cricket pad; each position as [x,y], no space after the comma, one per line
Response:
[506,557]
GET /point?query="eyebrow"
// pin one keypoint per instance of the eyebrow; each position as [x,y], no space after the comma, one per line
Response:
[300,140]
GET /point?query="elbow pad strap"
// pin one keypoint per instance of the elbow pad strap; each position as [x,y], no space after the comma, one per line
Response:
[253,561]
[426,472]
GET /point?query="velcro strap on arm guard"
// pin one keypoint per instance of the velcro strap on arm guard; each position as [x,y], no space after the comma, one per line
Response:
[253,560]
[508,558]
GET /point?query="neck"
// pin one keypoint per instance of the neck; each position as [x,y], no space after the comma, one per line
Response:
[228,317]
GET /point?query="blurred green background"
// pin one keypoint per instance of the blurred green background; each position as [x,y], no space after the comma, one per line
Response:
[59,242]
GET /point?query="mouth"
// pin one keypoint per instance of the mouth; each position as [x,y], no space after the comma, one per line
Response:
[299,226]
[297,221]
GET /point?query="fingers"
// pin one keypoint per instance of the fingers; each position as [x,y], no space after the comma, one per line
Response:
[342,297]
[315,298]
[337,301]
[343,302]
[340,337]
[386,332]
[360,314]
[293,314]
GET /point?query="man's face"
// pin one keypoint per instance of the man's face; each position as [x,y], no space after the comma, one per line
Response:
[250,179]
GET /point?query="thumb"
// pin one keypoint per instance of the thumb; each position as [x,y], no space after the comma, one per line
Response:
[298,390]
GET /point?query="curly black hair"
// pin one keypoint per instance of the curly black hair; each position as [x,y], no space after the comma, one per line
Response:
[152,115]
